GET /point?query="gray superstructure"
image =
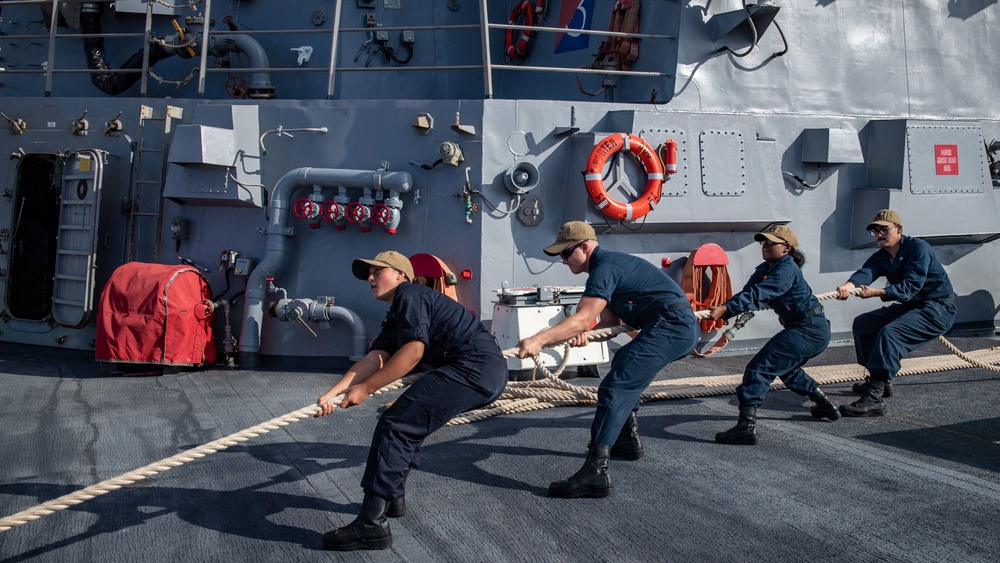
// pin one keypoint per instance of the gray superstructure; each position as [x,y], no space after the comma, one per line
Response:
[221,130]
[817,115]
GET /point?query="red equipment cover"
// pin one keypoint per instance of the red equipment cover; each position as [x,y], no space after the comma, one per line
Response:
[156,314]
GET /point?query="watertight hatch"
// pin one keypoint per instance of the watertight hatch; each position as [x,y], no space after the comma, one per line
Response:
[76,247]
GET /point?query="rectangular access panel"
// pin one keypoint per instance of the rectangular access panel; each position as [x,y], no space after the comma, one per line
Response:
[936,175]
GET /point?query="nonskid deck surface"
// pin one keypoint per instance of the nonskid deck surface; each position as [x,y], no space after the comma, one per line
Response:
[921,484]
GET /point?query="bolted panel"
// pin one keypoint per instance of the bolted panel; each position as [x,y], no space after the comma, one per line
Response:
[722,177]
[674,185]
[946,158]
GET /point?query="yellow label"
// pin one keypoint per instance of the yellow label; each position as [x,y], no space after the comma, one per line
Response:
[84,164]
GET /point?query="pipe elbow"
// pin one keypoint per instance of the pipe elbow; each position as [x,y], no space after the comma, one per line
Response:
[400,182]
[261,86]
[359,345]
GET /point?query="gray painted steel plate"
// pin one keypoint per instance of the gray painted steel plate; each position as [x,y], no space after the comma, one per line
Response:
[720,174]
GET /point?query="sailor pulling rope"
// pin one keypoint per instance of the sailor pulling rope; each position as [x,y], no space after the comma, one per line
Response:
[519,397]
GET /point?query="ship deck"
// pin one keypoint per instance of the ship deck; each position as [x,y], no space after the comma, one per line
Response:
[921,484]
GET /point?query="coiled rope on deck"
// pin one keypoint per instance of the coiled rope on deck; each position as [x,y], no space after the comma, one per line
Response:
[551,391]
[520,396]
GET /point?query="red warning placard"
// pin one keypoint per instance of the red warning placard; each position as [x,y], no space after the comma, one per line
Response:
[946,159]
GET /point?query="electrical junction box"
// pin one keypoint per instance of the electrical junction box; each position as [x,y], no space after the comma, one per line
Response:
[521,312]
[243,266]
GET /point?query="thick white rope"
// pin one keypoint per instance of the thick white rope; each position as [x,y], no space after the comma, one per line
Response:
[142,473]
[520,397]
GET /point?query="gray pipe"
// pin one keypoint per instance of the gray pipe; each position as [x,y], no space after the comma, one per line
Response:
[260,82]
[277,230]
[317,311]
[360,342]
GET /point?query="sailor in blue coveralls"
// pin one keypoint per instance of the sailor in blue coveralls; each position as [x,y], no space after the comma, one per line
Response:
[925,310]
[778,283]
[620,288]
[466,371]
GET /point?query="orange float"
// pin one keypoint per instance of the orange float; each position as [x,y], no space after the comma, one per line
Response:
[594,177]
[530,14]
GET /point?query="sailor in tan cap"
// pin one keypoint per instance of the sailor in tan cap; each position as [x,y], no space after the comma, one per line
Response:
[925,308]
[620,289]
[466,371]
[778,283]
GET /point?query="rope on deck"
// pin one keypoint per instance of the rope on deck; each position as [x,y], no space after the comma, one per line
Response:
[142,473]
[520,396]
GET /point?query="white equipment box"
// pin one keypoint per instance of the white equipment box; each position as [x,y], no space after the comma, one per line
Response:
[521,312]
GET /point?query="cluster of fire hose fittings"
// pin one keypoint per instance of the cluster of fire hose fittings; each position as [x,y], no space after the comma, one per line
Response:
[370,210]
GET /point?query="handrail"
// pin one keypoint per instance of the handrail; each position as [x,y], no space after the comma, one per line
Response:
[334,42]
[53,23]
[484,26]
[335,31]
[581,31]
[144,79]
[203,60]
[488,65]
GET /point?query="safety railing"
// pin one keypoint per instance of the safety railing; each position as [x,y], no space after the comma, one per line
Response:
[488,66]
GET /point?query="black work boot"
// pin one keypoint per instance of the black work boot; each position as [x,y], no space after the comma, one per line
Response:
[591,480]
[397,506]
[862,386]
[824,407]
[628,446]
[370,530]
[870,404]
[745,431]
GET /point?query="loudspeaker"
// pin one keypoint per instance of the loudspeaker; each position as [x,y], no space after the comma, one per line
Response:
[521,178]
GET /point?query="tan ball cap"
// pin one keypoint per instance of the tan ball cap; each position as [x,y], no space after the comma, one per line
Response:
[780,234]
[387,259]
[570,233]
[885,218]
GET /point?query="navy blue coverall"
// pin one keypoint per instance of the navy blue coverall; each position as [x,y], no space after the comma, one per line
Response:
[781,286]
[466,371]
[643,297]
[926,307]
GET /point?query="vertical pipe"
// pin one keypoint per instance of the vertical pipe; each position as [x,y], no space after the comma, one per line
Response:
[144,78]
[203,64]
[484,26]
[330,74]
[53,24]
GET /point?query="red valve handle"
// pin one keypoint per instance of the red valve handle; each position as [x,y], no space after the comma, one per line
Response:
[331,210]
[236,87]
[304,208]
[355,212]
[381,214]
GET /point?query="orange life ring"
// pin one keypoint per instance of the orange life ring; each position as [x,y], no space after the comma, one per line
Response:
[523,9]
[593,177]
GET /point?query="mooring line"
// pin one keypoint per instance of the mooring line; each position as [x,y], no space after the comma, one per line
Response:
[551,391]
